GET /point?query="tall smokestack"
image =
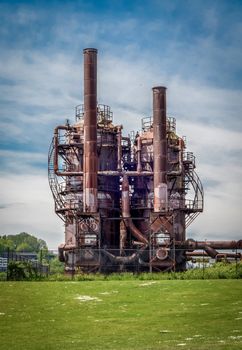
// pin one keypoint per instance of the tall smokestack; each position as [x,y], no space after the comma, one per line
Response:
[160,148]
[90,166]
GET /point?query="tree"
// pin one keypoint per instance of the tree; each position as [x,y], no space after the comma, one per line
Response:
[22,242]
[6,244]
[24,247]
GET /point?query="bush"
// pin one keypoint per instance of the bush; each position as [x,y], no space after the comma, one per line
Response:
[56,267]
[220,270]
[25,271]
[3,276]
[21,270]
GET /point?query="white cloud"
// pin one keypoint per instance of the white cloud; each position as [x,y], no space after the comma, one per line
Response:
[209,140]
[43,86]
[39,80]
[205,104]
[29,208]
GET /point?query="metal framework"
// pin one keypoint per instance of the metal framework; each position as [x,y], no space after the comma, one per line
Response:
[126,201]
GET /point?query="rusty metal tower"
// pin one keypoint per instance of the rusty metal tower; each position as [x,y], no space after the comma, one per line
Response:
[126,201]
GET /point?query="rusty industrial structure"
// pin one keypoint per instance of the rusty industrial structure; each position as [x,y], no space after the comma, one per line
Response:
[126,201]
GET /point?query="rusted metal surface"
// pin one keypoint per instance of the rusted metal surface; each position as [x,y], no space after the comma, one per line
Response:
[119,147]
[126,201]
[190,244]
[159,148]
[139,147]
[106,173]
[125,197]
[90,160]
[123,237]
[126,212]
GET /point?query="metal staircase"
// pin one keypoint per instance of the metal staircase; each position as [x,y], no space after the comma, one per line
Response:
[195,206]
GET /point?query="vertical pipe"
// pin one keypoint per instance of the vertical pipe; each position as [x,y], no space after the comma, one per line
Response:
[119,147]
[90,131]
[139,145]
[125,197]
[123,237]
[160,148]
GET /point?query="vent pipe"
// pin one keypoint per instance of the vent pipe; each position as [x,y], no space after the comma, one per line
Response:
[159,148]
[90,159]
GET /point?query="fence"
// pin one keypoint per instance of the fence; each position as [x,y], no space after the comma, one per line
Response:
[91,260]
[8,256]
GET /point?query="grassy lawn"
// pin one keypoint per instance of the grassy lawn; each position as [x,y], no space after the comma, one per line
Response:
[121,315]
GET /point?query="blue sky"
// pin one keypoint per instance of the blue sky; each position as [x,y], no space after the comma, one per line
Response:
[192,47]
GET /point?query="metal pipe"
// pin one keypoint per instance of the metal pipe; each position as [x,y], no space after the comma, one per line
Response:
[139,165]
[126,212]
[125,197]
[210,251]
[123,236]
[159,148]
[193,245]
[228,255]
[90,158]
[123,259]
[66,247]
[106,173]
[119,145]
[202,253]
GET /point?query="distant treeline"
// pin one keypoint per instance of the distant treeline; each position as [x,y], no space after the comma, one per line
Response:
[22,242]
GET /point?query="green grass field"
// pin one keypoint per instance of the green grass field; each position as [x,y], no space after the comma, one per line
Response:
[190,314]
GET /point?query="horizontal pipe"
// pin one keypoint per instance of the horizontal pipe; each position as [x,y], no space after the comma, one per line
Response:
[122,259]
[111,173]
[229,255]
[222,244]
[203,253]
[66,247]
[126,259]
[194,245]
[62,127]
[105,173]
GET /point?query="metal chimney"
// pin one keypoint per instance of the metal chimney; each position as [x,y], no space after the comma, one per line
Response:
[90,161]
[159,148]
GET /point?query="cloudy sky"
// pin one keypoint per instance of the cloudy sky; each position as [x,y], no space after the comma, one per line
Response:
[193,47]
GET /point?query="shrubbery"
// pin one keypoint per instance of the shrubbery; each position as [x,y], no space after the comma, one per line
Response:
[24,271]
[56,267]
[21,270]
[3,276]
[216,271]
[219,270]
